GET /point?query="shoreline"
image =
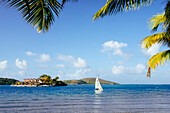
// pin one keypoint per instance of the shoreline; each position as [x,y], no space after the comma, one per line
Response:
[31,86]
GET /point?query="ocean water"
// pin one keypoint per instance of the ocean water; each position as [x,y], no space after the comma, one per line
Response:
[82,99]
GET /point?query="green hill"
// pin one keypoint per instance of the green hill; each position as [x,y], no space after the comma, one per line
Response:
[89,81]
[7,81]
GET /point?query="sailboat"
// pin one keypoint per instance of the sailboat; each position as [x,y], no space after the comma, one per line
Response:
[98,87]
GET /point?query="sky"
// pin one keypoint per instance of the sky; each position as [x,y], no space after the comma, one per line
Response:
[76,47]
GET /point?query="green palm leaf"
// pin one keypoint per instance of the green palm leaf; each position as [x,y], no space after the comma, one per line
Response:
[38,13]
[159,59]
[162,38]
[116,6]
[157,20]
[167,15]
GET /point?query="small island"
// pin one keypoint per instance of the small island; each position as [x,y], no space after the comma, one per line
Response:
[89,81]
[46,81]
[43,81]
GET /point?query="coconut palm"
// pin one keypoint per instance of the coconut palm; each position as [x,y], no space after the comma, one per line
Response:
[43,76]
[40,14]
[47,79]
[51,81]
[116,6]
[56,78]
[161,38]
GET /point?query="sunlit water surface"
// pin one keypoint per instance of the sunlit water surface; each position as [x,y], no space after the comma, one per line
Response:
[82,99]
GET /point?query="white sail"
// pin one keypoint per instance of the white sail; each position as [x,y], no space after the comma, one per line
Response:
[97,85]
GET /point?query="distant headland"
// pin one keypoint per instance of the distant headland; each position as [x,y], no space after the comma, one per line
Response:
[89,81]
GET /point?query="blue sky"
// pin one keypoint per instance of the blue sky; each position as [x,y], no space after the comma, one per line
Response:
[76,47]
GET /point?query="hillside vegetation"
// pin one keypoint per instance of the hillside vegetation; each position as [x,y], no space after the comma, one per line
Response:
[89,81]
[7,81]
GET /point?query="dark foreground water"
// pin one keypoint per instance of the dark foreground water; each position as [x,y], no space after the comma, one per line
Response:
[82,99]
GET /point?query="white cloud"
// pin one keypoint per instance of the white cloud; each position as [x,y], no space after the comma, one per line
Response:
[83,71]
[44,58]
[103,73]
[3,65]
[154,49]
[60,66]
[113,46]
[29,53]
[40,58]
[80,63]
[78,74]
[77,63]
[139,69]
[118,70]
[22,73]
[66,58]
[21,64]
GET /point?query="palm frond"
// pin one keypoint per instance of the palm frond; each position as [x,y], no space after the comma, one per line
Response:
[157,20]
[167,15]
[159,59]
[38,13]
[27,4]
[116,6]
[162,38]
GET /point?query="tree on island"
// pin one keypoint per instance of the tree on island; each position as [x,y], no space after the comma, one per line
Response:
[48,80]
[56,78]
[43,76]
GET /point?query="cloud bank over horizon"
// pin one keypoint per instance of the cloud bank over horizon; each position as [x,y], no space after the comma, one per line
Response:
[77,63]
[70,67]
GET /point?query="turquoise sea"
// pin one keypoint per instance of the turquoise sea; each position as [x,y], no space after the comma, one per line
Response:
[82,99]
